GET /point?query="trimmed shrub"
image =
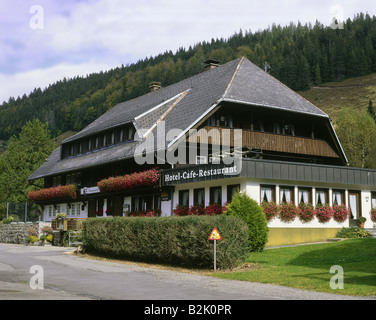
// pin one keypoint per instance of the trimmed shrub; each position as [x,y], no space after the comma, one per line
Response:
[248,210]
[174,240]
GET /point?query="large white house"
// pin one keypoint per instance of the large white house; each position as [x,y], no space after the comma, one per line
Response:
[263,139]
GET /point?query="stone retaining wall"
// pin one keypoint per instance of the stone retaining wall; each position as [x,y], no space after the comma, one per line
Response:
[16,232]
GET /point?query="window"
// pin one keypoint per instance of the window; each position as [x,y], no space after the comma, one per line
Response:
[373,200]
[58,209]
[201,160]
[184,198]
[304,195]
[112,138]
[147,202]
[57,181]
[354,203]
[339,197]
[73,178]
[135,204]
[321,197]
[231,191]
[157,201]
[289,129]
[267,193]
[286,194]
[199,196]
[105,140]
[50,211]
[121,135]
[130,133]
[276,128]
[216,195]
[74,210]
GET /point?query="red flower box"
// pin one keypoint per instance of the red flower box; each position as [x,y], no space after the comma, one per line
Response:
[135,180]
[147,213]
[324,213]
[61,192]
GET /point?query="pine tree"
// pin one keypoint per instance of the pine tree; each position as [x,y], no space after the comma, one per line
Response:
[371,110]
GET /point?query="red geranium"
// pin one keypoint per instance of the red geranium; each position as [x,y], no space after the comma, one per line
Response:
[324,213]
[61,192]
[340,213]
[306,212]
[130,181]
[287,211]
[270,210]
[147,213]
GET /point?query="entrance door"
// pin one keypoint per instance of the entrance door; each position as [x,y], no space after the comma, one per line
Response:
[354,204]
[118,206]
[92,208]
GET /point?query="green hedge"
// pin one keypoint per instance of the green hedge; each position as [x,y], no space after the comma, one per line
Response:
[179,241]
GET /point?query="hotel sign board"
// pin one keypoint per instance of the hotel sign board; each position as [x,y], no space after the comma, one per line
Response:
[199,173]
[90,190]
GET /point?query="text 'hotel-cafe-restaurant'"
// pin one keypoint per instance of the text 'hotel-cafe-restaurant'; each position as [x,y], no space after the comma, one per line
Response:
[232,127]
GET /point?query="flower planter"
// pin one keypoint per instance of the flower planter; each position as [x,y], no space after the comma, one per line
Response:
[147,178]
[61,192]
[361,222]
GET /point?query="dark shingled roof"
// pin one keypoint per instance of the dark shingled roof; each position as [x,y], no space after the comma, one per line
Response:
[181,106]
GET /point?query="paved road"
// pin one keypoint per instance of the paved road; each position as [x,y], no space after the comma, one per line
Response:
[70,276]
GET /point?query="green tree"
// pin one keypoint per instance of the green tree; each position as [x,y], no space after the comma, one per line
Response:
[248,210]
[371,110]
[357,132]
[22,157]
[317,73]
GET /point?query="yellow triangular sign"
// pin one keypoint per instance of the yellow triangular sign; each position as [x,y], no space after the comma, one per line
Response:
[215,235]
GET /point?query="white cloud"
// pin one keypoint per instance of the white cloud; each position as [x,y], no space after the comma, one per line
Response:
[25,82]
[100,34]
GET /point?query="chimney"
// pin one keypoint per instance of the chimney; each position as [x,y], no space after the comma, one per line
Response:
[154,86]
[211,64]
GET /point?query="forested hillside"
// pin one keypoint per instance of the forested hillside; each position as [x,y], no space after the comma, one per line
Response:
[301,56]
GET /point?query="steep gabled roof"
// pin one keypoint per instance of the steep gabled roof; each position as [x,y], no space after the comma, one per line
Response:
[182,106]
[252,85]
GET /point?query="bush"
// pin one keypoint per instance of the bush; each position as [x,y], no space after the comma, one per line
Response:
[174,240]
[248,210]
[353,233]
[31,239]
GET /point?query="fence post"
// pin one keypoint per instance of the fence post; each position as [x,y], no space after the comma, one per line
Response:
[7,209]
[25,211]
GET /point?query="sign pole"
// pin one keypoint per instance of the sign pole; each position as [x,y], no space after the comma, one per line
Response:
[214,235]
[215,255]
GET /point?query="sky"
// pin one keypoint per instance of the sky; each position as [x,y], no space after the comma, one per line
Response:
[43,41]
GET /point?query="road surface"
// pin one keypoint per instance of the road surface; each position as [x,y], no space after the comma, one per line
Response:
[73,277]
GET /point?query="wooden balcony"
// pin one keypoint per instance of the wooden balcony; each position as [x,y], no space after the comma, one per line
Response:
[267,141]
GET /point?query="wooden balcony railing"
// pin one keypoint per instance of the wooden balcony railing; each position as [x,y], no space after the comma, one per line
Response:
[267,141]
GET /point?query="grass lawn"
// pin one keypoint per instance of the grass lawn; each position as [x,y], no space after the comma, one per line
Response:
[332,97]
[308,267]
